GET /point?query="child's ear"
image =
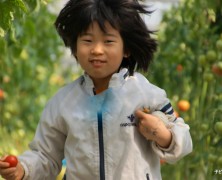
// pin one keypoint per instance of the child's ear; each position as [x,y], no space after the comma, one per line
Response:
[126,55]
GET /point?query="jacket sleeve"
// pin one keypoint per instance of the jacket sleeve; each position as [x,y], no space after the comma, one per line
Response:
[159,104]
[44,159]
[181,143]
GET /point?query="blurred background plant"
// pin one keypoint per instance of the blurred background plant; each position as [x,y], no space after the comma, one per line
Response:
[30,68]
[188,65]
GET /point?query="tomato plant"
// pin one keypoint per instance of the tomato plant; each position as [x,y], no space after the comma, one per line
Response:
[29,56]
[30,69]
[190,36]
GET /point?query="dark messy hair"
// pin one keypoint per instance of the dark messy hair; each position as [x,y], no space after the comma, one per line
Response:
[123,15]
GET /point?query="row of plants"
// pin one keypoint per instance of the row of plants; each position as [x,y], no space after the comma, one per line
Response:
[188,66]
[30,69]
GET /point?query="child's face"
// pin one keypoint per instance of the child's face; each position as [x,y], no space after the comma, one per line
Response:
[100,53]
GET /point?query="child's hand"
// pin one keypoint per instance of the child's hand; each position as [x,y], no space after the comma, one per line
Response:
[11,173]
[152,128]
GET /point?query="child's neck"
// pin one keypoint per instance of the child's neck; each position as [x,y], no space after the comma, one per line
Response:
[100,87]
[98,91]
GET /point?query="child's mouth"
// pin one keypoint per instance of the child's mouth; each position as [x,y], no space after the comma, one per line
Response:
[97,63]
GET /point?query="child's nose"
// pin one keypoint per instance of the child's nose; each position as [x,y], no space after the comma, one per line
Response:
[97,48]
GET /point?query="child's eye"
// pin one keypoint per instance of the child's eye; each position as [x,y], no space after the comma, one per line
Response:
[109,41]
[87,40]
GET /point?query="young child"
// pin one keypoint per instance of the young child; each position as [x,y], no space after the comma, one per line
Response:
[111,123]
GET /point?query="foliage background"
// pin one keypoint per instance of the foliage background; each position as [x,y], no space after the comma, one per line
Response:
[190,40]
[31,71]
[30,68]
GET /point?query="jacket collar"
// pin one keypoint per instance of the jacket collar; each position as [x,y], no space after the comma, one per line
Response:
[117,79]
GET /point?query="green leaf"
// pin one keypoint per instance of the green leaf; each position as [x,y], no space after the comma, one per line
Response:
[33,5]
[5,14]
[19,4]
[2,32]
[7,11]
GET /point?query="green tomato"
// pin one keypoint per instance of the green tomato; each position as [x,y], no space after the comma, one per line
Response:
[208,77]
[219,64]
[219,45]
[183,46]
[202,59]
[218,128]
[204,127]
[211,55]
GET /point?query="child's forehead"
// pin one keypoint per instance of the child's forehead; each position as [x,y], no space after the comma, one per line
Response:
[105,26]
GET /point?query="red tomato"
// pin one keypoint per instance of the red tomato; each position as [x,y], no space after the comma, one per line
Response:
[12,160]
[1,94]
[162,161]
[179,68]
[183,105]
[176,113]
[216,69]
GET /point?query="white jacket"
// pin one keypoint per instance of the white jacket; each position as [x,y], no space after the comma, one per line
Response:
[97,134]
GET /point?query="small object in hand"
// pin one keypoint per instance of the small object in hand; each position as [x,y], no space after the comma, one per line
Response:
[146,110]
[12,160]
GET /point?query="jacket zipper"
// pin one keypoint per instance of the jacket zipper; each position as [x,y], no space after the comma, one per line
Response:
[147,176]
[101,146]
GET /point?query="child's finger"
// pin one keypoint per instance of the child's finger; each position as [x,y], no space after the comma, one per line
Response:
[3,158]
[10,174]
[146,119]
[140,114]
[8,171]
[4,164]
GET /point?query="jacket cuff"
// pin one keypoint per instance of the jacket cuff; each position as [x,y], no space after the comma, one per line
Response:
[169,148]
[26,171]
